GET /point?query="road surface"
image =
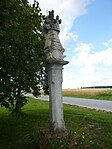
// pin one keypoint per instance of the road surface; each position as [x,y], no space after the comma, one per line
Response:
[105,105]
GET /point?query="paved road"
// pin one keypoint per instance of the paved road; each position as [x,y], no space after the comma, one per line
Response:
[89,103]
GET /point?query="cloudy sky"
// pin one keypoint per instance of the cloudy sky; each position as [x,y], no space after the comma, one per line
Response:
[86,35]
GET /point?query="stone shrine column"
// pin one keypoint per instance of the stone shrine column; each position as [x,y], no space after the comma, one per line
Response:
[55,76]
[55,61]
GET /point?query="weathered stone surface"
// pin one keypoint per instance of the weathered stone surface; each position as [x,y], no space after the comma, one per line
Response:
[55,73]
[53,47]
[55,61]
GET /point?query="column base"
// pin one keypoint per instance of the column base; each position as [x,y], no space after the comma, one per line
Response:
[55,127]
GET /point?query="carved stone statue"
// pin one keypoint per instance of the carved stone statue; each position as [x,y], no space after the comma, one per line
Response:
[53,47]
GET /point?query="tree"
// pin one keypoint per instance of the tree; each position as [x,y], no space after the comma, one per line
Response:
[21,52]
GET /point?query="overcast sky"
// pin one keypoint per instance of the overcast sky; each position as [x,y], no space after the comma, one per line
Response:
[86,35]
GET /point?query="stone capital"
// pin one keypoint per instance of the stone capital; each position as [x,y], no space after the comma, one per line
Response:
[57,62]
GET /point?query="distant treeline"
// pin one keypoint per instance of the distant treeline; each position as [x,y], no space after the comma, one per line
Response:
[98,87]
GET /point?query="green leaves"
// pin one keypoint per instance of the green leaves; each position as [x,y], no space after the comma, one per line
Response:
[21,48]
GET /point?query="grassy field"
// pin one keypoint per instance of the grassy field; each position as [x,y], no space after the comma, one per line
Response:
[93,128]
[95,93]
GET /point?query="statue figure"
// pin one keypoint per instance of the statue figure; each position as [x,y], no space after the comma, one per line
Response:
[53,47]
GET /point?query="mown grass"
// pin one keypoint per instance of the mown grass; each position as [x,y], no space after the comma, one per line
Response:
[93,128]
[92,93]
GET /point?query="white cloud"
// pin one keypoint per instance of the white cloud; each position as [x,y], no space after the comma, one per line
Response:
[89,61]
[68,39]
[90,68]
[71,79]
[82,54]
[68,11]
[76,79]
[74,36]
[108,43]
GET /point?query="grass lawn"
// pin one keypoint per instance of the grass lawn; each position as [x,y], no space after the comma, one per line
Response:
[92,93]
[93,128]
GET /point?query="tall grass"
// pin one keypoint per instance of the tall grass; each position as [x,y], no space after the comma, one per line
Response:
[95,93]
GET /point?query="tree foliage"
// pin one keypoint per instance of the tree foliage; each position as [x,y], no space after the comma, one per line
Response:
[21,52]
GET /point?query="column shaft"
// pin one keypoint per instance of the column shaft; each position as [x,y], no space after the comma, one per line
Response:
[55,97]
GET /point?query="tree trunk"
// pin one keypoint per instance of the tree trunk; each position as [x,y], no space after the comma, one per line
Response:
[17,110]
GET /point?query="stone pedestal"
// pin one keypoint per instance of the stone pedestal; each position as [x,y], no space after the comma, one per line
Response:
[55,78]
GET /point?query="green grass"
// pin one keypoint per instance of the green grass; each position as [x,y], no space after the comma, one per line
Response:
[93,128]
